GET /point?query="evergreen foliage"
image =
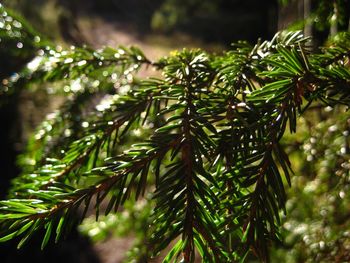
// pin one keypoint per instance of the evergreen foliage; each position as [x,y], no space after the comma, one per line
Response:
[209,159]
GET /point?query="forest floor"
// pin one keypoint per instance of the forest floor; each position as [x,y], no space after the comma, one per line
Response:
[99,31]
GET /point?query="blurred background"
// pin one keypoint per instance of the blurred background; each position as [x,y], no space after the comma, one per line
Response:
[316,228]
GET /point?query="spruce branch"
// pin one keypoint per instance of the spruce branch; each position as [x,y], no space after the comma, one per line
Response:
[211,157]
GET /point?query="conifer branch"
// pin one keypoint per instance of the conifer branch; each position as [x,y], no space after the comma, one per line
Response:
[211,156]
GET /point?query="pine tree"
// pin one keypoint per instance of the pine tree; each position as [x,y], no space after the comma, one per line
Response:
[209,160]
